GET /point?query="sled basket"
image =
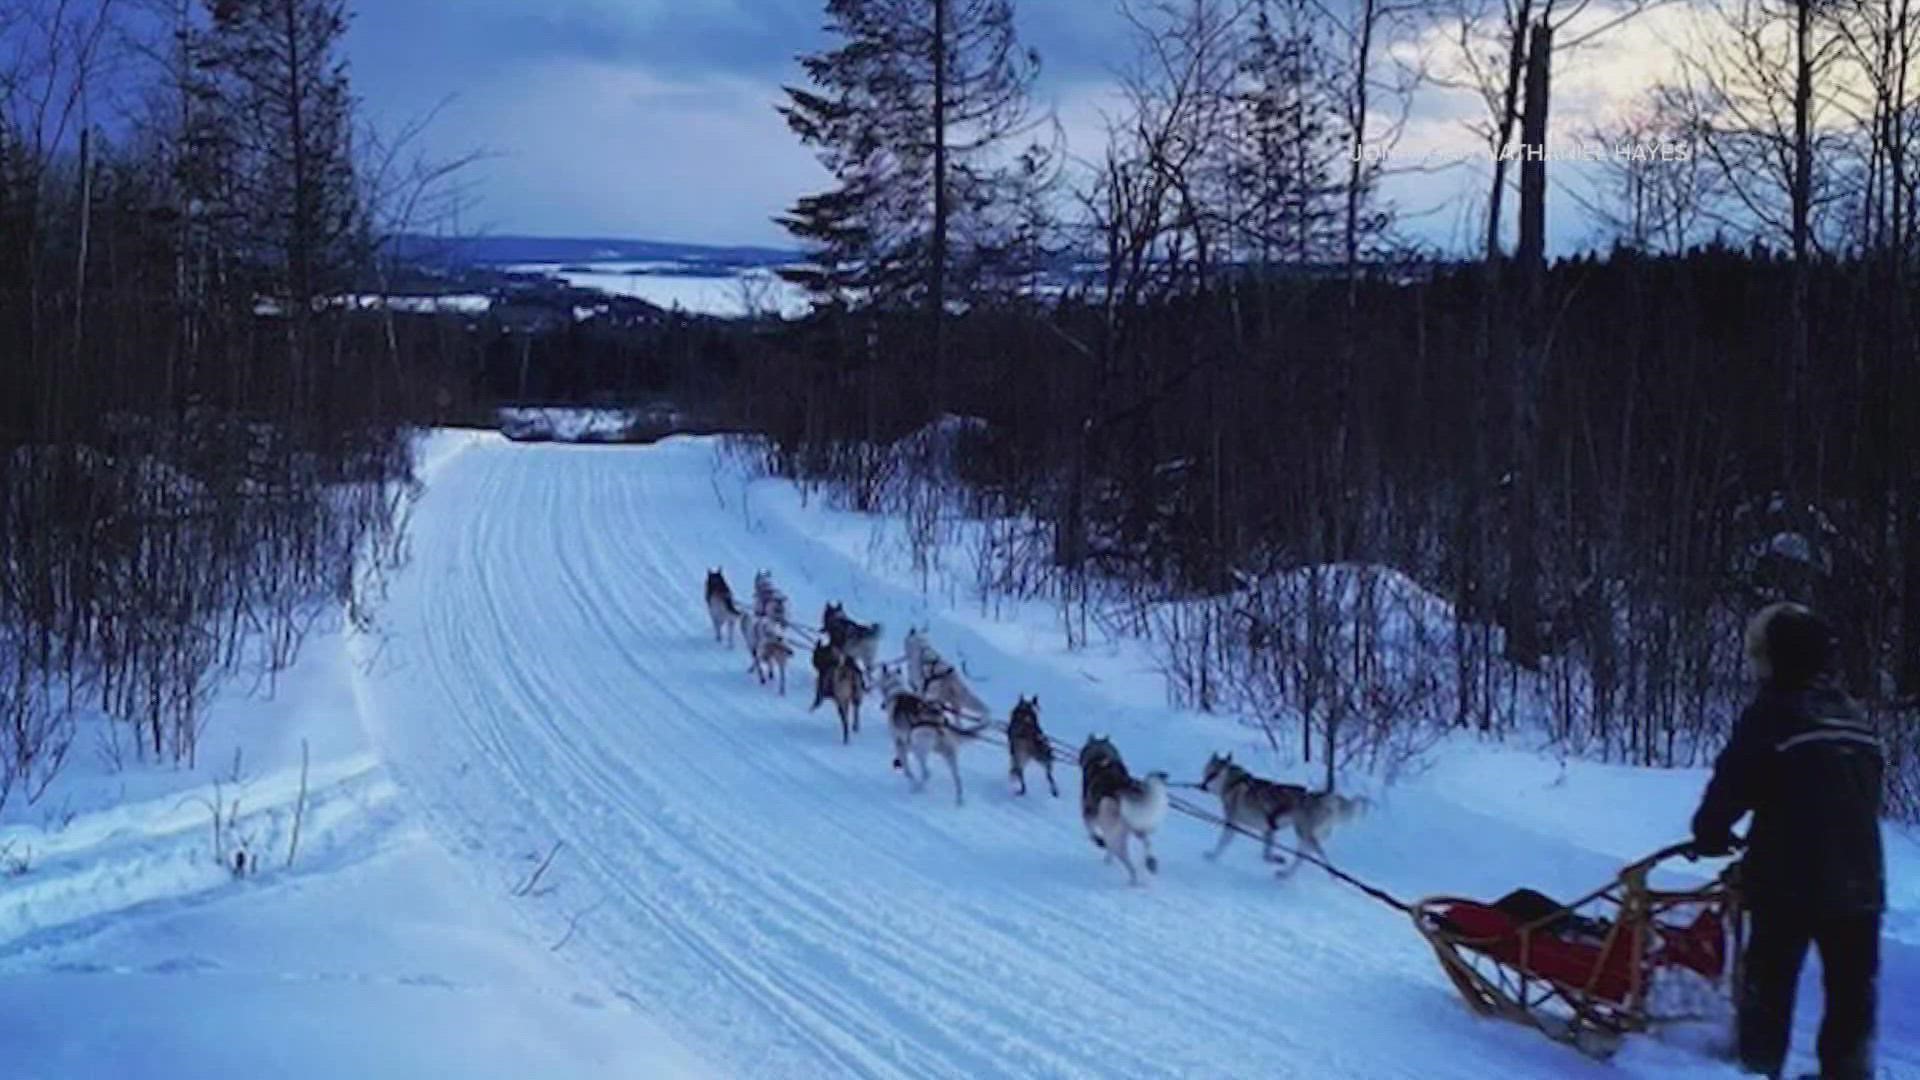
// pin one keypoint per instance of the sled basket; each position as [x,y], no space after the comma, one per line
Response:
[1617,961]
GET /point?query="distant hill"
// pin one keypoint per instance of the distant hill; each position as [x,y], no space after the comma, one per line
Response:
[499,250]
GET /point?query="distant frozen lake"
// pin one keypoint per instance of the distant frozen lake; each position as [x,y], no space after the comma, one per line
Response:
[670,285]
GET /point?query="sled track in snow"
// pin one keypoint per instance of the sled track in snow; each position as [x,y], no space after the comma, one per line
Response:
[780,902]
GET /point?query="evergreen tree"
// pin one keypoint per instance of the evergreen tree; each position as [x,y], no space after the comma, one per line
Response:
[1292,136]
[912,114]
[287,110]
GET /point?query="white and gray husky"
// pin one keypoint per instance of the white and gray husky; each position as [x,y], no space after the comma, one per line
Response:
[766,622]
[919,651]
[726,614]
[921,726]
[938,680]
[1116,808]
[1262,806]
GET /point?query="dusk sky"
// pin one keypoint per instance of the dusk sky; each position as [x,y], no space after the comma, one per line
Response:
[655,119]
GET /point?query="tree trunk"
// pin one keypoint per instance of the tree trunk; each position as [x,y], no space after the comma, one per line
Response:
[937,272]
[1509,112]
[1798,340]
[86,235]
[1523,597]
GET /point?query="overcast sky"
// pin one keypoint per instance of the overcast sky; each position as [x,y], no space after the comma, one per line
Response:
[655,118]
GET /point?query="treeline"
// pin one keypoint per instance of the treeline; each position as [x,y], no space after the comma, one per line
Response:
[1262,429]
[197,445]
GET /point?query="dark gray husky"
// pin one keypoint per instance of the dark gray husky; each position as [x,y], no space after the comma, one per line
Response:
[857,640]
[721,609]
[1027,743]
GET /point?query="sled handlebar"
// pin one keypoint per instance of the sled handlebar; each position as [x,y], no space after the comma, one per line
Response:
[1686,848]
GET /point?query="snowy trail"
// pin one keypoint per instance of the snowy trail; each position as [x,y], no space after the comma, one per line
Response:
[781,904]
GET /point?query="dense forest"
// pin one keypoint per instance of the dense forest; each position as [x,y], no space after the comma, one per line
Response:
[201,455]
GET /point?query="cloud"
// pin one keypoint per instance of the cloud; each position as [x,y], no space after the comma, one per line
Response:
[656,118]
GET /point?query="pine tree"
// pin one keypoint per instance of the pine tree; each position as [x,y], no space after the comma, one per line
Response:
[1291,139]
[284,96]
[912,114]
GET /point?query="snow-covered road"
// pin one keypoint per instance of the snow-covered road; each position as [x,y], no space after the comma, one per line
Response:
[784,907]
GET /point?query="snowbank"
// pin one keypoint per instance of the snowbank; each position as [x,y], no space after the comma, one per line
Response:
[130,947]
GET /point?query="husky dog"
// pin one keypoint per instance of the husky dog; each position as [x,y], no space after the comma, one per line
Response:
[848,685]
[1126,810]
[1255,805]
[721,608]
[769,602]
[1248,802]
[825,659]
[890,685]
[946,688]
[1323,810]
[919,654]
[920,727]
[1102,772]
[941,681]
[1027,743]
[857,640]
[770,653]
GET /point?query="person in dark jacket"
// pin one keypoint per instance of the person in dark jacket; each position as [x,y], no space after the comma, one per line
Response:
[1808,767]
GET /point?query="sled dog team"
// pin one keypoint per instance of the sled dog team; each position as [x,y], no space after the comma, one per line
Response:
[931,711]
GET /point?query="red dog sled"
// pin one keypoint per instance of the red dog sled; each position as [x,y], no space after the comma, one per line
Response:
[1619,960]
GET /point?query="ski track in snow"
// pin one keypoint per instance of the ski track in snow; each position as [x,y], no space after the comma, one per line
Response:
[781,903]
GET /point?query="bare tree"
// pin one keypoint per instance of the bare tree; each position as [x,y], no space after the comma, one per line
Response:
[1655,189]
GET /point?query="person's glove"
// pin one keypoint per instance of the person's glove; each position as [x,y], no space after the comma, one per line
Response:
[1711,847]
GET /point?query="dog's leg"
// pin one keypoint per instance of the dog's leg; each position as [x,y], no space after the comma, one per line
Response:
[1055,788]
[1119,847]
[1092,822]
[1153,861]
[953,766]
[1226,837]
[1310,843]
[1266,846]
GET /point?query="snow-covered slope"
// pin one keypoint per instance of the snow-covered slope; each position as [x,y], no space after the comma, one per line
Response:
[785,907]
[128,950]
[555,830]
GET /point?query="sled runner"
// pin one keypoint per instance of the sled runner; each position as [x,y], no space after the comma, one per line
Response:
[1619,960]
